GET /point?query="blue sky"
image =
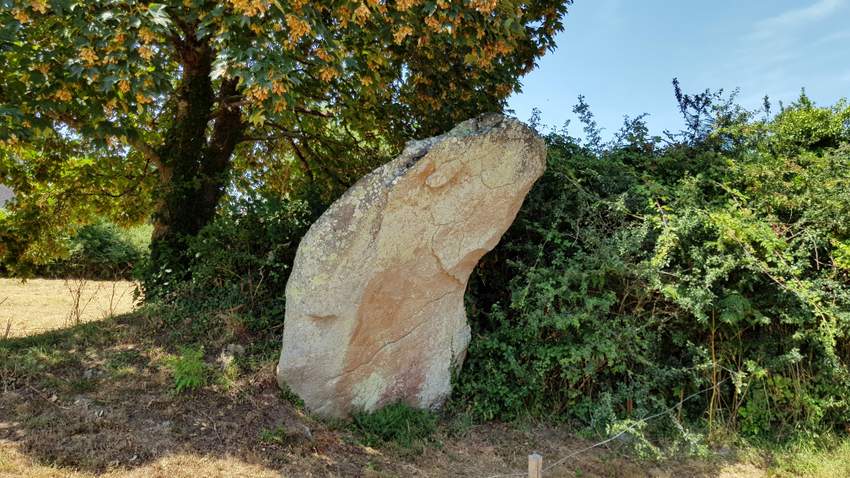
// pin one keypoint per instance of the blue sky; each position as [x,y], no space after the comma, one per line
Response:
[623,54]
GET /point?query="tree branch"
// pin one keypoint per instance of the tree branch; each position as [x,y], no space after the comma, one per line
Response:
[147,150]
[131,138]
[308,111]
[303,160]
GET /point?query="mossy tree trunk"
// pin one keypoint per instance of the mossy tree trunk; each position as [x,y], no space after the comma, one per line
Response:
[194,160]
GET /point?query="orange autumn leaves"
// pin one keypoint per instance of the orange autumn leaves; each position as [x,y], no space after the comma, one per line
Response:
[250,8]
[297,27]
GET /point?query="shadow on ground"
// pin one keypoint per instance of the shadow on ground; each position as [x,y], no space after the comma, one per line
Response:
[96,398]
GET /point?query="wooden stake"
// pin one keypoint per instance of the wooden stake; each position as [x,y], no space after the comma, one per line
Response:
[535,466]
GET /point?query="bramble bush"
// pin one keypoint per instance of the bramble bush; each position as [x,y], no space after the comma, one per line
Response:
[644,270]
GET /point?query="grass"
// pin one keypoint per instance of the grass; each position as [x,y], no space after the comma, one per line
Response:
[40,305]
[97,399]
[396,424]
[829,460]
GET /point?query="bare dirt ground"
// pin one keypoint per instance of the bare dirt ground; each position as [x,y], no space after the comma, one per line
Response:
[39,305]
[97,400]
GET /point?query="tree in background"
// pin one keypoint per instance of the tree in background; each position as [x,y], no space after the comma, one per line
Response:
[132,106]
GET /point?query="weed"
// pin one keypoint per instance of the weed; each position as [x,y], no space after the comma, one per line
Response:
[123,363]
[396,424]
[275,436]
[287,394]
[227,375]
[460,424]
[189,370]
[76,288]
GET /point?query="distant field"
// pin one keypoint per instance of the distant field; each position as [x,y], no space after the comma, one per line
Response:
[38,305]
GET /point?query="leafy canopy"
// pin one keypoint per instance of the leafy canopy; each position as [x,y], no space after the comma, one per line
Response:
[99,99]
[110,69]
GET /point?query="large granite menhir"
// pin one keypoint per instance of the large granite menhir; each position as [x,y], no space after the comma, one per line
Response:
[374,305]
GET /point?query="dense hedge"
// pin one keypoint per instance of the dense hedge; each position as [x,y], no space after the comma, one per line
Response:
[642,271]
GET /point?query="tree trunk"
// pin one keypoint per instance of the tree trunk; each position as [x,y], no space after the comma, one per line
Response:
[195,164]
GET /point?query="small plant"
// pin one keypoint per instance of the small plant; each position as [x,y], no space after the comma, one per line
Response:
[188,369]
[76,288]
[228,374]
[275,436]
[397,424]
[287,394]
[124,363]
[460,424]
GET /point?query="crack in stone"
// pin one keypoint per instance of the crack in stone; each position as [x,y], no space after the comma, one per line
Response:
[440,262]
[322,317]
[392,342]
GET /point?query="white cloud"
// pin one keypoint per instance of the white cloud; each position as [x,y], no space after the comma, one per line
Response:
[771,53]
[832,37]
[795,18]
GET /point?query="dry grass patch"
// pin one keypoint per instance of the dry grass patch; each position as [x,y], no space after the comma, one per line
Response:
[15,464]
[40,305]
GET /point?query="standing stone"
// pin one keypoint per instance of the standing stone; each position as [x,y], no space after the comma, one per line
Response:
[374,304]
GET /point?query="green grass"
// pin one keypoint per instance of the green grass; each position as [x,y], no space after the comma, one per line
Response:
[398,424]
[825,460]
[276,436]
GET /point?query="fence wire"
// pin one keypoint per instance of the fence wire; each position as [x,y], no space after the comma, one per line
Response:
[630,428]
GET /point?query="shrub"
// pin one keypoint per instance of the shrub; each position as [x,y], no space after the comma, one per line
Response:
[636,275]
[236,279]
[98,251]
[104,251]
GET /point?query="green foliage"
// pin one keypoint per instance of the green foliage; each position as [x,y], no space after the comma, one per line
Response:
[275,436]
[238,272]
[122,60]
[100,250]
[59,187]
[637,274]
[805,127]
[104,251]
[145,107]
[827,457]
[188,369]
[397,424]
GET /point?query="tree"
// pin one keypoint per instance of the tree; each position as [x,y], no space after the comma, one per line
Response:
[173,91]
